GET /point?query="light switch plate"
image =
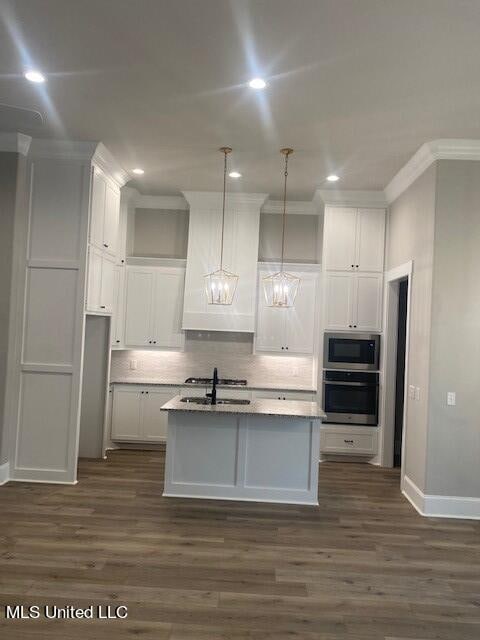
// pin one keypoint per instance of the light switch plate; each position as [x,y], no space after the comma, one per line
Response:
[411,391]
[133,365]
[451,398]
[417,393]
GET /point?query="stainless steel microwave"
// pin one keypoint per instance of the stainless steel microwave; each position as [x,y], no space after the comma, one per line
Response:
[355,351]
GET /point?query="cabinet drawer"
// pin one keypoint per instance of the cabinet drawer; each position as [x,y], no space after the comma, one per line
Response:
[351,443]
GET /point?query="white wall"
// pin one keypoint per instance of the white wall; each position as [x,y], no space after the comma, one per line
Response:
[9,163]
[301,238]
[160,233]
[94,386]
[453,453]
[410,236]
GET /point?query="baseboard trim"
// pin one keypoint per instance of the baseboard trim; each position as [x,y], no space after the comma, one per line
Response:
[434,506]
[4,473]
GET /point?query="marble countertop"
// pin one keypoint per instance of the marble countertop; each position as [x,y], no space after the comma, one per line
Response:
[280,408]
[248,387]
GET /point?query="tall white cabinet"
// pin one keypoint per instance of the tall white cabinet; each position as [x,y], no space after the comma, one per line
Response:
[353,252]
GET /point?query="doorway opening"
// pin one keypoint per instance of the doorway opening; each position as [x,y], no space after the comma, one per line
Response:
[395,366]
[400,371]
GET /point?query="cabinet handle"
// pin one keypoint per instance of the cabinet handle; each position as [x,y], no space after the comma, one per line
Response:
[348,441]
[123,261]
[154,342]
[146,392]
[105,245]
[279,398]
[357,266]
[117,341]
[283,348]
[353,266]
[349,326]
[354,326]
[143,391]
[102,306]
[284,397]
[149,342]
[286,348]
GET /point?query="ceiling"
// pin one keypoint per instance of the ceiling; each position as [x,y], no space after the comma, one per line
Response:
[355,87]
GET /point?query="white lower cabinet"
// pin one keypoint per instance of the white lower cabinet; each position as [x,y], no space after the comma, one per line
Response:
[342,440]
[353,301]
[153,306]
[100,283]
[136,414]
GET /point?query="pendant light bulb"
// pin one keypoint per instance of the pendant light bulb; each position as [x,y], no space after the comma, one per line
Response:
[220,285]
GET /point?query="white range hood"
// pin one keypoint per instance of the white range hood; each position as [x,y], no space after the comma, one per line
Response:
[240,255]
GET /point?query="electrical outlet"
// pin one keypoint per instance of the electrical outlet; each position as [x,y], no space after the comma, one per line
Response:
[417,393]
[411,391]
[133,365]
[451,398]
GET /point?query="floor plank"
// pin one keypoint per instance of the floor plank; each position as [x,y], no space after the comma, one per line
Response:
[364,565]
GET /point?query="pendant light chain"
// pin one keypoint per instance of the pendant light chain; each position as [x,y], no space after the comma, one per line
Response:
[286,152]
[226,150]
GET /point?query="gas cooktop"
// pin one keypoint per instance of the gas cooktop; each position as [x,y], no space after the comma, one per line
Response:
[226,381]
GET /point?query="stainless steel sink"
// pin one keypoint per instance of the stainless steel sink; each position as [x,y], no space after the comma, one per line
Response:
[203,400]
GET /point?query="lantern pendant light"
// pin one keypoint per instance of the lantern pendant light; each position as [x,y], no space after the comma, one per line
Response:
[220,286]
[281,288]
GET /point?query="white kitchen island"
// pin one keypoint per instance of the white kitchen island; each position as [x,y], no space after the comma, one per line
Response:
[266,451]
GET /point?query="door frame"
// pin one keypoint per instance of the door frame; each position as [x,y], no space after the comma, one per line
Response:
[389,362]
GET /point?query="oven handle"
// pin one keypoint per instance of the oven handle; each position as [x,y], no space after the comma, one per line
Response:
[352,384]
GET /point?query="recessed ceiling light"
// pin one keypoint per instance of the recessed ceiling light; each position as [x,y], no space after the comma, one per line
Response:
[235,174]
[138,171]
[333,178]
[257,83]
[34,76]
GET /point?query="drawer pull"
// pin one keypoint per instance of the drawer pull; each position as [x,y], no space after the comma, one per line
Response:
[348,441]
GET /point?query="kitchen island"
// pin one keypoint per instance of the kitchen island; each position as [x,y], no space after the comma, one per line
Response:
[263,451]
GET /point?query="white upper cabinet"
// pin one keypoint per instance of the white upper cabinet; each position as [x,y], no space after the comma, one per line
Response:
[153,306]
[289,330]
[370,240]
[117,324]
[353,301]
[240,255]
[340,233]
[354,239]
[100,289]
[140,288]
[105,211]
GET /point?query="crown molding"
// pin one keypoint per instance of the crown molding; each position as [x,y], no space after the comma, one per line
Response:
[430,152]
[107,162]
[294,207]
[161,202]
[350,198]
[15,142]
[62,149]
[208,200]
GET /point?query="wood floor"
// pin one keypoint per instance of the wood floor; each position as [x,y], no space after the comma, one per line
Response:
[362,566]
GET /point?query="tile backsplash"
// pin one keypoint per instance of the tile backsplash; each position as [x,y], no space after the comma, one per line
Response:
[230,352]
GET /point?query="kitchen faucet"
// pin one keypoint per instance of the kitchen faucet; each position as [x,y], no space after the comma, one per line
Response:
[213,394]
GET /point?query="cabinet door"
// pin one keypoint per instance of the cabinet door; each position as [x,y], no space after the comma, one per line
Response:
[138,306]
[300,319]
[94,282]
[370,239]
[339,300]
[271,322]
[126,413]
[107,288]
[168,308]
[97,213]
[155,422]
[340,238]
[111,220]
[367,314]
[116,333]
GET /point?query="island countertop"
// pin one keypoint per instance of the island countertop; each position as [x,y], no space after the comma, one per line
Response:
[265,407]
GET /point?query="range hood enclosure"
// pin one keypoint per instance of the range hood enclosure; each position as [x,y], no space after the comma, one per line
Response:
[240,255]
